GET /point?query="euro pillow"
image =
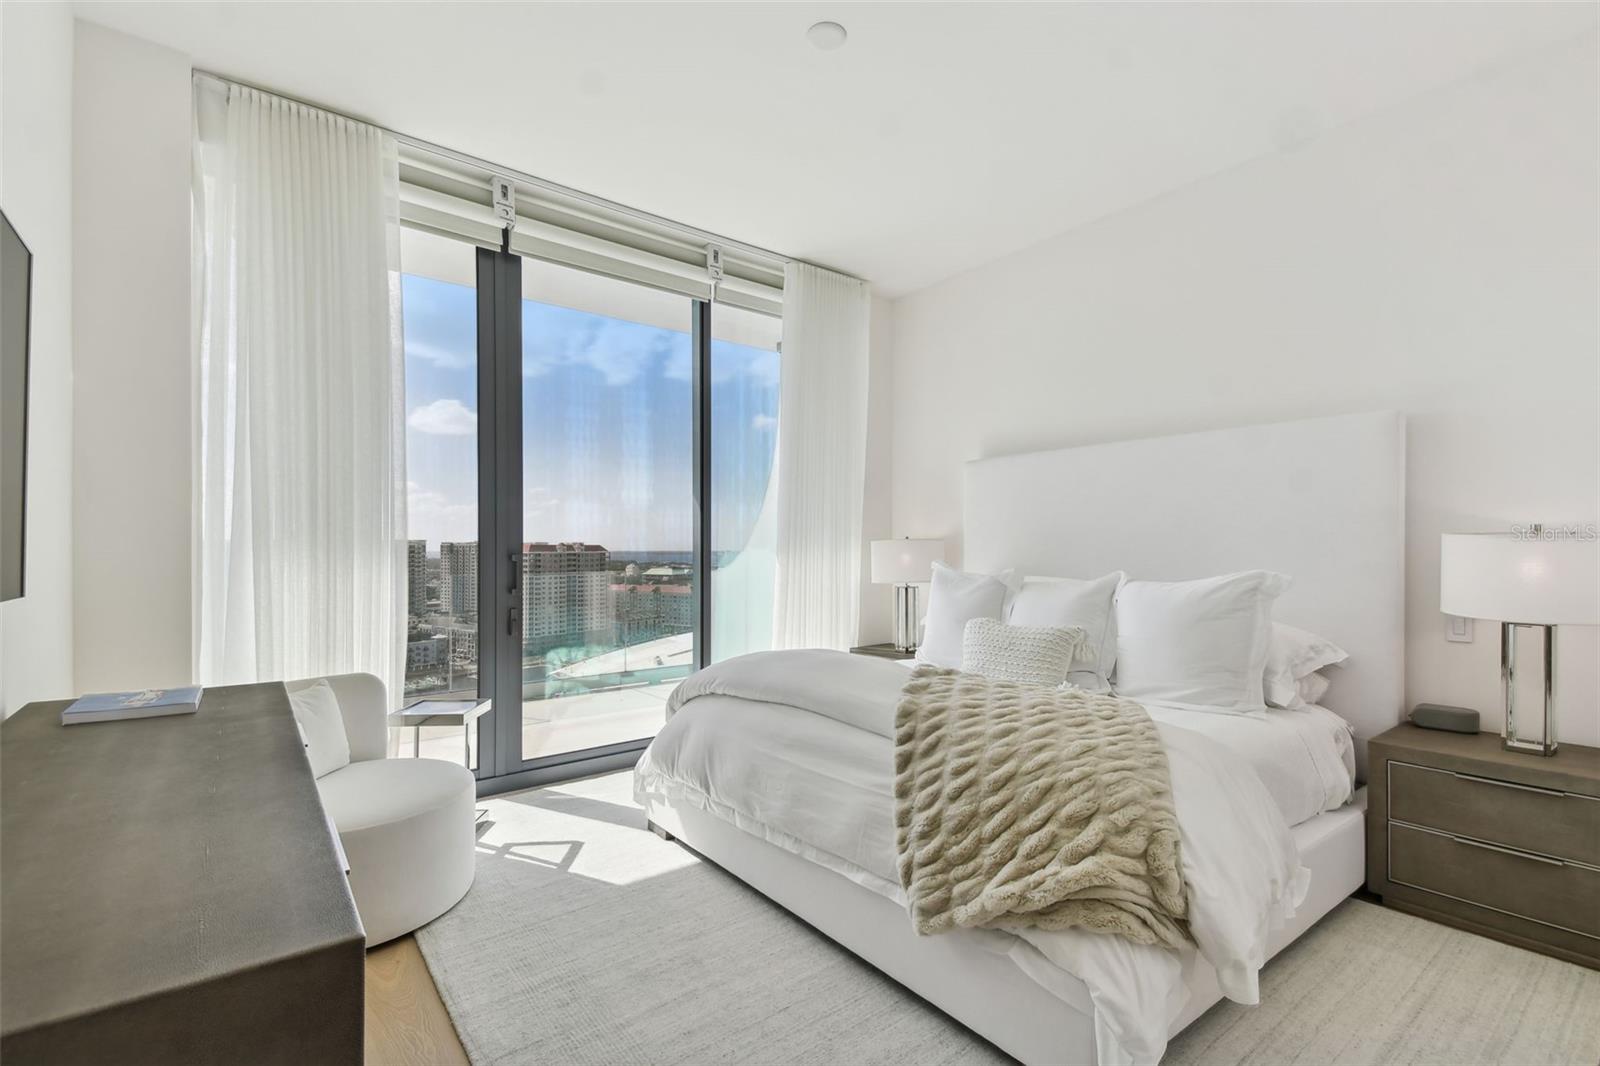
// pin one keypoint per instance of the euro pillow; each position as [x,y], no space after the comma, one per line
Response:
[954,599]
[1033,655]
[1066,602]
[1197,645]
[316,711]
[1294,654]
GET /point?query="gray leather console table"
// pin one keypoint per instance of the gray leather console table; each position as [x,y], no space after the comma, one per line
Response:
[170,891]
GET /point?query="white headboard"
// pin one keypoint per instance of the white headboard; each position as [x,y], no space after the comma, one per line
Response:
[1322,500]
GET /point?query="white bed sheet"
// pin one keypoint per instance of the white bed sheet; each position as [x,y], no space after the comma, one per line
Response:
[823,790]
[1305,758]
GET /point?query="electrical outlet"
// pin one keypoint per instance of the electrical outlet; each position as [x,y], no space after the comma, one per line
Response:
[1457,629]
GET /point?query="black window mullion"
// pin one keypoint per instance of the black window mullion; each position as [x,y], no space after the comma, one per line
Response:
[499,513]
[487,647]
[700,393]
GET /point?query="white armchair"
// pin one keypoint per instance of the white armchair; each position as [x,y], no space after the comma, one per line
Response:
[407,825]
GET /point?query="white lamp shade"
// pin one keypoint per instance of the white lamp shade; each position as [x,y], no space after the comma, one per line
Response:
[905,561]
[1510,578]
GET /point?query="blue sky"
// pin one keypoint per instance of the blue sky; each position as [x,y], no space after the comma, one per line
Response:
[606,425]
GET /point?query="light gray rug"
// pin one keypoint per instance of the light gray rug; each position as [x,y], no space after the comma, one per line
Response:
[586,939]
[1371,985]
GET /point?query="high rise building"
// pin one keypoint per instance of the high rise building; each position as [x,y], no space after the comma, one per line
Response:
[566,596]
[646,612]
[417,577]
[458,579]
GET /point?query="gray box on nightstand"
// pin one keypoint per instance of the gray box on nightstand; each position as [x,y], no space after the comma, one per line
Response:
[1443,716]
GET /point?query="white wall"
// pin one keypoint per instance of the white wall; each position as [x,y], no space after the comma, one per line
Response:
[35,160]
[1439,258]
[132,394]
[877,518]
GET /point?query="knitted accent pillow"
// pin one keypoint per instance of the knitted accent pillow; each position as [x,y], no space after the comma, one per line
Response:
[1033,655]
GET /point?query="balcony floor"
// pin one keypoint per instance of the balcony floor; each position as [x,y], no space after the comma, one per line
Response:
[562,724]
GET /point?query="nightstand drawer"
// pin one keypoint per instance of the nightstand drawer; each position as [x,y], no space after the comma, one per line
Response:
[1520,816]
[1565,895]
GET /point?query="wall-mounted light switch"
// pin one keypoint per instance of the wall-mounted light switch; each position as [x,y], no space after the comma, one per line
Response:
[1458,629]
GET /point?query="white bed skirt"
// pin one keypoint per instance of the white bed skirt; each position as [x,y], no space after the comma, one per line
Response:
[984,990]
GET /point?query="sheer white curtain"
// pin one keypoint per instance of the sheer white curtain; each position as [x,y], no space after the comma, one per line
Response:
[822,454]
[301,503]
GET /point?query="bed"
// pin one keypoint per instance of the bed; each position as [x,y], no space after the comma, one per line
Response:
[795,806]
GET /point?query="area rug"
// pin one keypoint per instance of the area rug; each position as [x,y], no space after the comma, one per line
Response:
[587,939]
[1372,985]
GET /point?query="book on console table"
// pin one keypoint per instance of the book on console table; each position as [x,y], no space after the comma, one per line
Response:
[144,703]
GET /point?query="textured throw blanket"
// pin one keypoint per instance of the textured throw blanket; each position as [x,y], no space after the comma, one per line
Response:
[1021,805]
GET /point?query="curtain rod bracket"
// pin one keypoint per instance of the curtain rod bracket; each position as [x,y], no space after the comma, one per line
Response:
[714,268]
[504,192]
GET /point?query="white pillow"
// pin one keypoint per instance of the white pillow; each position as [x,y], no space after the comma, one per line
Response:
[1199,645]
[954,599]
[1066,602]
[1310,689]
[316,711]
[1034,655]
[1295,653]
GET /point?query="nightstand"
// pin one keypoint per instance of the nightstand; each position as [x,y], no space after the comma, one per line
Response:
[883,651]
[1495,842]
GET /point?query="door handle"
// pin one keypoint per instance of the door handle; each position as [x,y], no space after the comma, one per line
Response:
[516,571]
[511,622]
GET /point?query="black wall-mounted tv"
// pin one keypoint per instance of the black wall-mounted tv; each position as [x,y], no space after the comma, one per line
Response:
[16,291]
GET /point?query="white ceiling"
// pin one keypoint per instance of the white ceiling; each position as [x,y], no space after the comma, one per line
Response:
[941,136]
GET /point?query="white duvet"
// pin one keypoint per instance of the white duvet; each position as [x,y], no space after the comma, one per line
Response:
[795,747]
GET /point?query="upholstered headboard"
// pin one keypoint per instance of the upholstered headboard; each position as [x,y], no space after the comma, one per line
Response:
[1322,500]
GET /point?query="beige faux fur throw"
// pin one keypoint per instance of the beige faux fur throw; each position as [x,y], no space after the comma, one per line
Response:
[1021,805]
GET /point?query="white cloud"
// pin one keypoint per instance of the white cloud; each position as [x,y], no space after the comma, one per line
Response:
[727,363]
[434,517]
[440,356]
[763,422]
[443,418]
[619,350]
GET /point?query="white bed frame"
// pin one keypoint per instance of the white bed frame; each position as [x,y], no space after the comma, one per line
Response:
[1321,500]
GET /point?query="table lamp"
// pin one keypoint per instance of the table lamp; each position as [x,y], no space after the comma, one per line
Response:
[905,563]
[1530,579]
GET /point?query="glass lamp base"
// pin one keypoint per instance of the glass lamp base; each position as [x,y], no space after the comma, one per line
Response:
[1546,744]
[905,618]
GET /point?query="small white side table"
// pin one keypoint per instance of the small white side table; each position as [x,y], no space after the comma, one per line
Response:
[429,710]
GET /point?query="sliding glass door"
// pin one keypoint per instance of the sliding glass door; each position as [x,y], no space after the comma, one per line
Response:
[608,509]
[591,468]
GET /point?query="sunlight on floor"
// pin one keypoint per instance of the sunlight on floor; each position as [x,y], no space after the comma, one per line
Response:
[590,828]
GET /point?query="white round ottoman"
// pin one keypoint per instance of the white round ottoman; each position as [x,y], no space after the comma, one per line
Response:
[407,826]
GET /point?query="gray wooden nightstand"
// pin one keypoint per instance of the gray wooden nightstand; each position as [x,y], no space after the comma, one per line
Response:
[883,651]
[1495,842]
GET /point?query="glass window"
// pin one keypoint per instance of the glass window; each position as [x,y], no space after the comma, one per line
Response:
[744,439]
[441,365]
[608,508]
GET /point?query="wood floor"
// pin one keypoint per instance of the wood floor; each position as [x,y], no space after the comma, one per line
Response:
[406,1021]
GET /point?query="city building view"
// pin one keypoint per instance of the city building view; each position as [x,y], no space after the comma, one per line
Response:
[579,602]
